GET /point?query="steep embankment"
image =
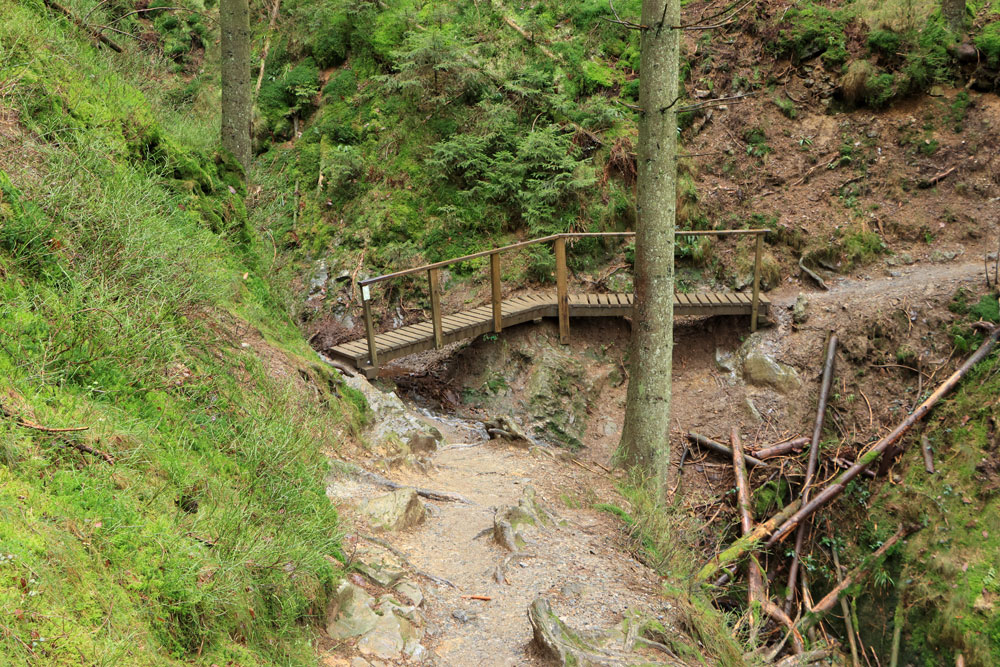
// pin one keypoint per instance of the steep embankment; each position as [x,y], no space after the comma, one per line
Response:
[162,422]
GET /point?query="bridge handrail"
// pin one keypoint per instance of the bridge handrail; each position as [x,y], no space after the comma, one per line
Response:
[547,239]
[562,291]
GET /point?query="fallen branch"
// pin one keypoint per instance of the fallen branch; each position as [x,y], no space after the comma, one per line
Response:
[935,179]
[779,616]
[835,488]
[844,606]
[423,493]
[812,274]
[52,4]
[824,393]
[524,33]
[720,448]
[406,561]
[715,102]
[267,47]
[746,543]
[831,598]
[810,658]
[757,590]
[484,598]
[84,447]
[756,582]
[47,429]
[784,448]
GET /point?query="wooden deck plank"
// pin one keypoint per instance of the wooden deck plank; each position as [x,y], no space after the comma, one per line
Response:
[525,307]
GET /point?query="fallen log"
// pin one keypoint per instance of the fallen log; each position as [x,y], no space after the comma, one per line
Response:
[824,393]
[746,543]
[720,448]
[925,445]
[812,274]
[837,486]
[845,608]
[831,598]
[784,448]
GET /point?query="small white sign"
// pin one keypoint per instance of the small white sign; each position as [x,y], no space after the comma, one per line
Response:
[365,293]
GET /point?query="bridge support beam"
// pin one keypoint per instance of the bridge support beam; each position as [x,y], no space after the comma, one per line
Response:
[497,293]
[562,290]
[434,278]
[756,282]
[369,327]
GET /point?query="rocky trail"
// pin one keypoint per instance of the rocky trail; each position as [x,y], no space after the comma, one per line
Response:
[465,572]
[468,550]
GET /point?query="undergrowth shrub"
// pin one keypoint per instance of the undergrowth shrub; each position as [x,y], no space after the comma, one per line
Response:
[988,42]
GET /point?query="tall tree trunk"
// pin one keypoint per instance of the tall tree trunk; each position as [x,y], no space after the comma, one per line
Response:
[237,109]
[646,433]
[953,12]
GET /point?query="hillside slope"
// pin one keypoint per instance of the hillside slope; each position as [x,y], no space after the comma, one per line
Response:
[162,421]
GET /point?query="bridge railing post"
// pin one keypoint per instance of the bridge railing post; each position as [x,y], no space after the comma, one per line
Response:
[562,290]
[434,278]
[366,298]
[756,281]
[497,296]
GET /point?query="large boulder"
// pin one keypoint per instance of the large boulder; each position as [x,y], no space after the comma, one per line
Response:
[350,613]
[761,369]
[398,510]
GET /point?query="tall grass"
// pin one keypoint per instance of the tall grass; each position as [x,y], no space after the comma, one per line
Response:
[209,539]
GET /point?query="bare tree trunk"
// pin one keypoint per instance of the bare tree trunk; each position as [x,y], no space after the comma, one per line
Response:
[237,109]
[646,433]
[953,12]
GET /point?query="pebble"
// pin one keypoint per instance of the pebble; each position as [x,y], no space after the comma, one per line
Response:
[463,616]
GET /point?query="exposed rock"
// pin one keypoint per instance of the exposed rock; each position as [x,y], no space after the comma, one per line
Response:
[555,638]
[941,256]
[398,510]
[423,444]
[350,612]
[410,591]
[559,391]
[760,369]
[509,521]
[386,640]
[725,360]
[395,423]
[800,311]
[966,53]
[382,573]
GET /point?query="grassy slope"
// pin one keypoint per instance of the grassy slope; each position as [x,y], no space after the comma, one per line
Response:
[134,302]
[949,572]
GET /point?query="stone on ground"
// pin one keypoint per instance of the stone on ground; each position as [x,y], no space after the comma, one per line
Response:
[398,510]
[350,613]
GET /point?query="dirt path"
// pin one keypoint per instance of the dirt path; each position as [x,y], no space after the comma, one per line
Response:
[581,565]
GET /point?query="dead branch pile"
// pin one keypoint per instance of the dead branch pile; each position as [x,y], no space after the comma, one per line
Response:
[799,615]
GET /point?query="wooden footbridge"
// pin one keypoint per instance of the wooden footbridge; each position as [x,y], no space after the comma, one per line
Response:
[367,353]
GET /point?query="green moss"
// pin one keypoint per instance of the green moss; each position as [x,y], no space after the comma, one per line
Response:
[862,247]
[988,42]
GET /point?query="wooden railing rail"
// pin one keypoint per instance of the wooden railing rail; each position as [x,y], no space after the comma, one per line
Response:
[562,288]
